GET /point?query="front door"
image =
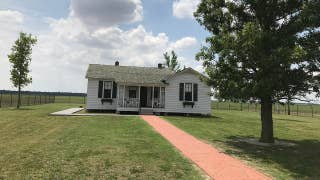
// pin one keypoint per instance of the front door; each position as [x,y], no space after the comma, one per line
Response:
[143,96]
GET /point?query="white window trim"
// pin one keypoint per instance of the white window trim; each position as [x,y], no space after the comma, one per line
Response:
[184,92]
[104,89]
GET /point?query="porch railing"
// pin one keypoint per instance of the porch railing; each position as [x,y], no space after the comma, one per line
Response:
[158,103]
[129,103]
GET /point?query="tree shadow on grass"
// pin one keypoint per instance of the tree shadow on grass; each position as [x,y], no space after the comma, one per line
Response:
[303,159]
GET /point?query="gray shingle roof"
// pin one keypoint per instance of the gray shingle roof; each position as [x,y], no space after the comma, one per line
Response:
[128,74]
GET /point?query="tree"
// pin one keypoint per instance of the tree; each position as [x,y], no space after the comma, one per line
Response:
[20,59]
[171,61]
[260,48]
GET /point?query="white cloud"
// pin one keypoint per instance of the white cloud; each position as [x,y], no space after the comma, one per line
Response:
[11,24]
[9,16]
[184,43]
[184,8]
[63,52]
[102,13]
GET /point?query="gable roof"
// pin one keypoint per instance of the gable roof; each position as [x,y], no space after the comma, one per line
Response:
[128,74]
[187,70]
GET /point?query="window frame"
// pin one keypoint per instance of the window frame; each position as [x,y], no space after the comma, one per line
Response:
[104,88]
[184,95]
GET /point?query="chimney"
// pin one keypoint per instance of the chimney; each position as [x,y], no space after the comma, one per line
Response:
[116,63]
[160,66]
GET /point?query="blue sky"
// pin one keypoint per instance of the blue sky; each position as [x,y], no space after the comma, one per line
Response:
[74,33]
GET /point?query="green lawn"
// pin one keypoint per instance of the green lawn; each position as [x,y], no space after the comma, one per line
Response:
[34,145]
[299,162]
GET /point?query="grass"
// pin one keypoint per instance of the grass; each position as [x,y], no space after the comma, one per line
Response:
[34,145]
[226,127]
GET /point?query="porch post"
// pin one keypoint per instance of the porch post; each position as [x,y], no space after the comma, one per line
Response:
[124,92]
[139,96]
[152,96]
[160,97]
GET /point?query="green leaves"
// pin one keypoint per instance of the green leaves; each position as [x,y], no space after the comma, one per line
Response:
[171,61]
[20,59]
[261,48]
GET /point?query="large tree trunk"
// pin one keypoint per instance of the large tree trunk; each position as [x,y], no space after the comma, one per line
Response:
[19,97]
[266,120]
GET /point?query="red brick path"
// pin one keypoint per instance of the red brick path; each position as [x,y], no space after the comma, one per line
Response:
[216,164]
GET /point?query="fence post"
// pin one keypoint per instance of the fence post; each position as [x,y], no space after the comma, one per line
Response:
[241,106]
[0,99]
[312,110]
[297,110]
[285,109]
[256,107]
[11,99]
[40,99]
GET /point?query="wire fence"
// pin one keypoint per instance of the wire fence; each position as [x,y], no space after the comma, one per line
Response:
[11,99]
[310,110]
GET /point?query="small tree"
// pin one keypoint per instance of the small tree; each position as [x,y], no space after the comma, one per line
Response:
[171,61]
[259,48]
[20,59]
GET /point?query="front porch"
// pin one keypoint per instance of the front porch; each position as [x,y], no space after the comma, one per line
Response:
[140,98]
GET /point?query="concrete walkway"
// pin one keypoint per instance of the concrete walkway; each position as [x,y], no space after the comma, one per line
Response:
[73,112]
[67,112]
[216,164]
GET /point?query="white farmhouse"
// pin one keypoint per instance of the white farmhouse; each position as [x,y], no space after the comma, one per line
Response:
[146,90]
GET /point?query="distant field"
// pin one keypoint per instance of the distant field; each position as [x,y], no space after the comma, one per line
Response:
[296,109]
[10,100]
[70,99]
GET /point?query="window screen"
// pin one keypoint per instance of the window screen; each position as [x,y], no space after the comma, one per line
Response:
[188,92]
[132,93]
[107,89]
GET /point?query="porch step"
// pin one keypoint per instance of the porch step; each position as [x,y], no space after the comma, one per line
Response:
[146,111]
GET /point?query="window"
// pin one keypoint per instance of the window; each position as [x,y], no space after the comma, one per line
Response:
[107,92]
[132,93]
[156,92]
[188,92]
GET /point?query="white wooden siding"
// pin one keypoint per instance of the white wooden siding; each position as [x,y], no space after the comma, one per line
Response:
[93,102]
[174,105]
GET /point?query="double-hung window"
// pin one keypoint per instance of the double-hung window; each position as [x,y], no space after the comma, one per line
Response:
[188,91]
[107,92]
